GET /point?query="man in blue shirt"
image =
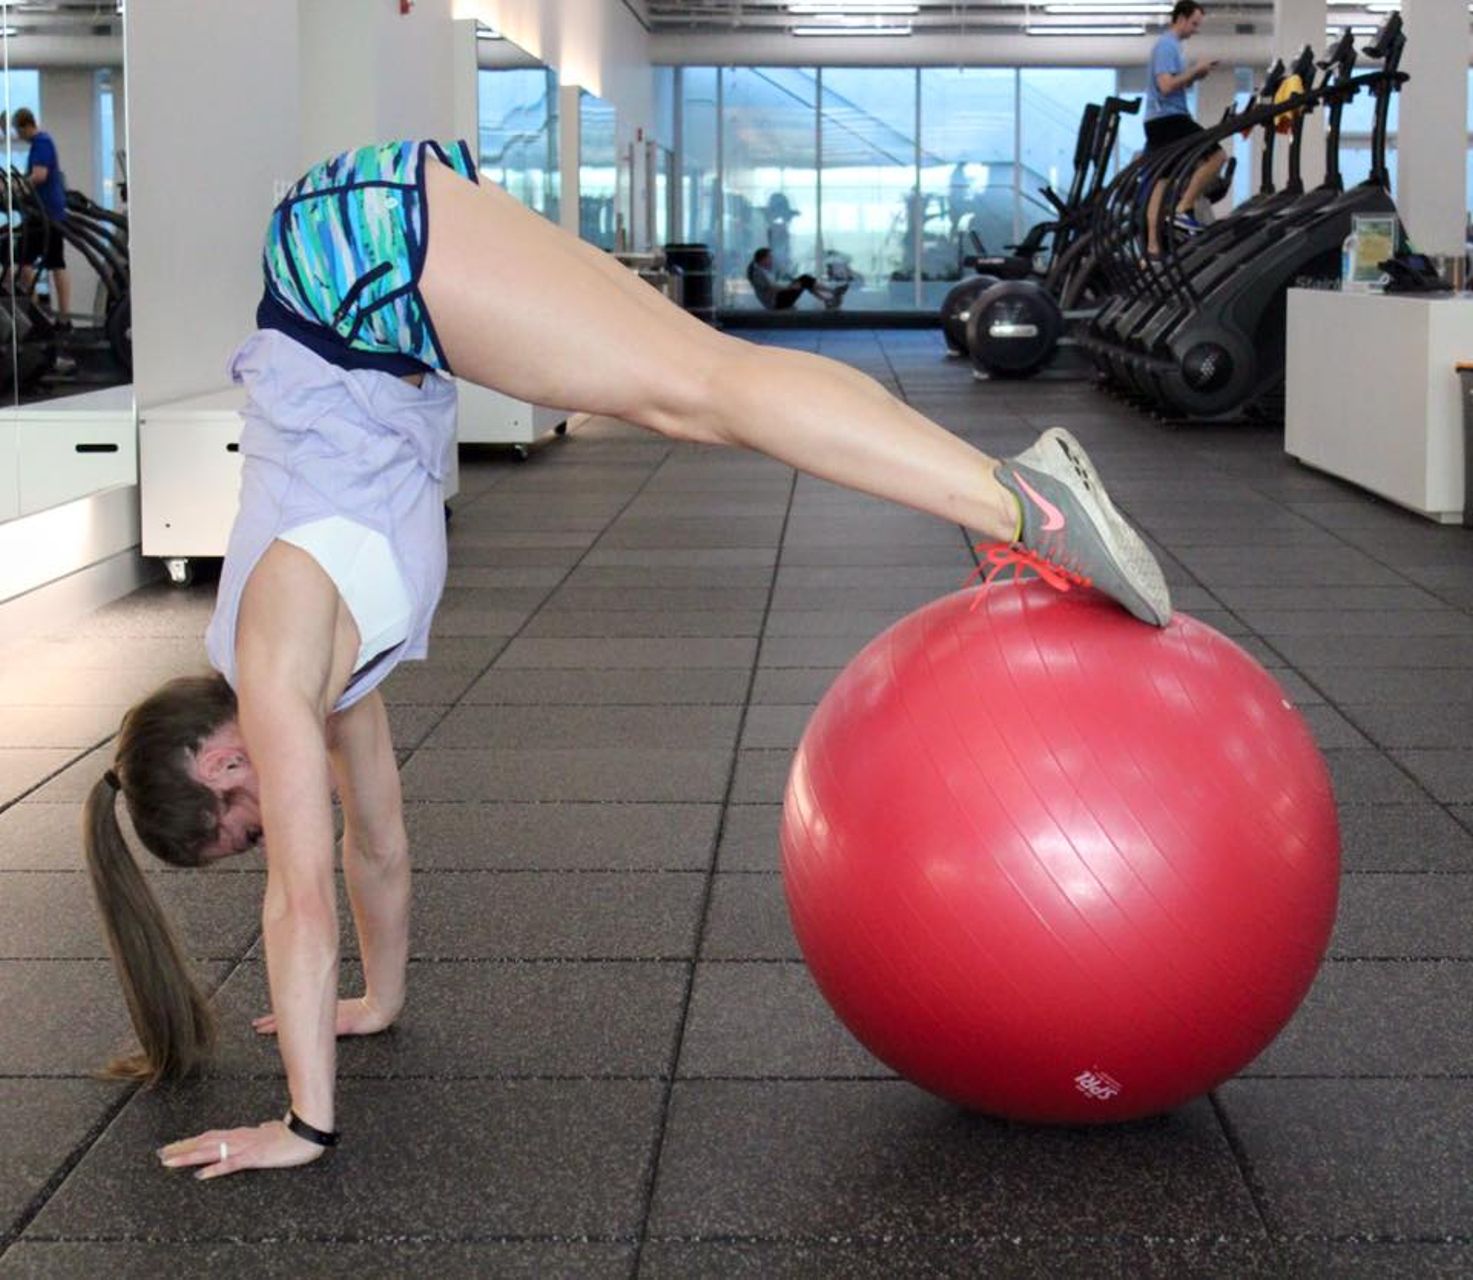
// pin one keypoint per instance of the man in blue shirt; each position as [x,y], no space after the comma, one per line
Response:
[46,246]
[1169,118]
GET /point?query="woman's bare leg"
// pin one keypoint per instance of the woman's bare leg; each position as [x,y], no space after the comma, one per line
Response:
[531,311]
[527,309]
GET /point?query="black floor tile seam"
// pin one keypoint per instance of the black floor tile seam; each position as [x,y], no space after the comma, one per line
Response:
[662,1119]
[1399,959]
[55,773]
[10,1233]
[1258,1192]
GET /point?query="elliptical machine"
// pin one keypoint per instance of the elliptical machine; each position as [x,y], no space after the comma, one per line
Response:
[1016,327]
[1094,144]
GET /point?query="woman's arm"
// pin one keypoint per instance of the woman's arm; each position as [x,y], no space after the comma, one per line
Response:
[375,863]
[295,646]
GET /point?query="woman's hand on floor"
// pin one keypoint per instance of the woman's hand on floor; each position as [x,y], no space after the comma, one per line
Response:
[360,1017]
[222,1151]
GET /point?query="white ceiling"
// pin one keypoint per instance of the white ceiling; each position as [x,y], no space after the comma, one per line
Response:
[938,17]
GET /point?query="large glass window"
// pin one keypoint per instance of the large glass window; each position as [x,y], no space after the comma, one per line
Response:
[518,134]
[868,144]
[1051,103]
[770,184]
[696,99]
[967,187]
[598,172]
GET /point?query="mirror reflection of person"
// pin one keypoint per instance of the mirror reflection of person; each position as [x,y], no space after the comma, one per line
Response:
[776,296]
[46,245]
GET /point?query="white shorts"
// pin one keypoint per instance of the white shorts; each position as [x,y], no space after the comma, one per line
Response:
[361,564]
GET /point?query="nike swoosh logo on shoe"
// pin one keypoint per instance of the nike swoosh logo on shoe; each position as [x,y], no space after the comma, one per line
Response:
[1053,517]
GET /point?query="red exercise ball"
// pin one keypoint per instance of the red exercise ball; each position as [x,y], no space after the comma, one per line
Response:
[1057,865]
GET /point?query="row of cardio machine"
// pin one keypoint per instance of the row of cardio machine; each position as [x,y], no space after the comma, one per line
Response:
[1199,332]
[97,349]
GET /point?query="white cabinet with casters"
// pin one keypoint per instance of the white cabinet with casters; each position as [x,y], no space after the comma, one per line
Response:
[189,476]
[70,447]
[488,417]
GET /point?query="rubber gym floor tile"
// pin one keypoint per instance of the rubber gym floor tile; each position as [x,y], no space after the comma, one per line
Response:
[1298,690]
[575,598]
[1331,729]
[1231,566]
[524,686]
[606,773]
[901,599]
[1404,685]
[1404,837]
[761,777]
[912,1258]
[67,1017]
[533,524]
[792,686]
[1378,1260]
[474,554]
[670,577]
[1447,725]
[642,653]
[160,609]
[876,1158]
[691,533]
[764,1021]
[1415,653]
[788,623]
[466,1021]
[1405,916]
[1372,1157]
[1379,1018]
[664,623]
[44,1121]
[41,837]
[1359,623]
[22,769]
[885,555]
[562,837]
[749,838]
[419,683]
[549,915]
[811,651]
[762,503]
[898,578]
[51,915]
[161,655]
[471,620]
[73,728]
[1447,775]
[774,726]
[409,723]
[523,586]
[1337,600]
[422,1158]
[1369,777]
[748,920]
[715,558]
[632,727]
[389,1259]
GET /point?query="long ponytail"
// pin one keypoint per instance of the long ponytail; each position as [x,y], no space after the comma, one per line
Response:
[175,816]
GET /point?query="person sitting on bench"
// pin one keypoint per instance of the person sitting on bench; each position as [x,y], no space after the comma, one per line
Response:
[781,297]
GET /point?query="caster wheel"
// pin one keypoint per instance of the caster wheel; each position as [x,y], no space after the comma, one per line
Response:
[181,572]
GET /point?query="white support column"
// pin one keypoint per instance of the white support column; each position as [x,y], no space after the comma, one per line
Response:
[1298,23]
[569,111]
[1432,134]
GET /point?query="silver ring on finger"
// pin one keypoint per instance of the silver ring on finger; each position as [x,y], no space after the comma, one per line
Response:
[224,1151]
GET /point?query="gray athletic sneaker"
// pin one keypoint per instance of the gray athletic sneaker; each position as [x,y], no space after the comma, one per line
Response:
[1069,522]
